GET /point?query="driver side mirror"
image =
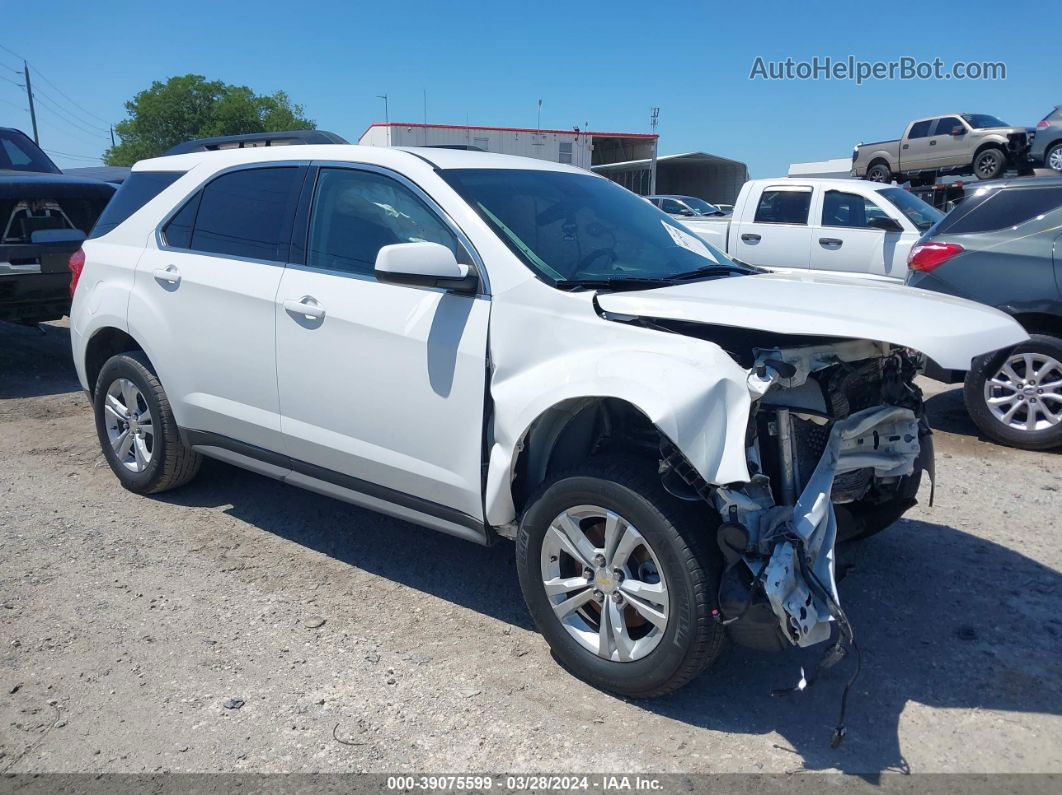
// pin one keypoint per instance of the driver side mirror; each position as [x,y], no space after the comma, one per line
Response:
[885,224]
[685,211]
[960,130]
[424,265]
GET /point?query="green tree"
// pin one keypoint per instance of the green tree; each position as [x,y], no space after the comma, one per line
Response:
[194,107]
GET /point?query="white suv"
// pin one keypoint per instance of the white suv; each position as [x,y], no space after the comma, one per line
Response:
[501,347]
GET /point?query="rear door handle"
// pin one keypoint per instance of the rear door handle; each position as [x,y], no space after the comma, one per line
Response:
[830,242]
[750,238]
[306,306]
[169,274]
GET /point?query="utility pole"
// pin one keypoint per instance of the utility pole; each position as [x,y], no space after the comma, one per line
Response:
[29,93]
[387,116]
[540,114]
[112,138]
[654,119]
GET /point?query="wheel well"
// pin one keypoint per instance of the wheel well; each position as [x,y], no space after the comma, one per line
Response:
[1040,323]
[575,430]
[1051,146]
[879,161]
[989,145]
[104,344]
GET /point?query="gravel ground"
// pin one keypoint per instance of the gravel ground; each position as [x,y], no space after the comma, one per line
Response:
[242,625]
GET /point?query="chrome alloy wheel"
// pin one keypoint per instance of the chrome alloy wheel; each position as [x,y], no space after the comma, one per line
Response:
[1026,393]
[605,583]
[129,425]
[1054,159]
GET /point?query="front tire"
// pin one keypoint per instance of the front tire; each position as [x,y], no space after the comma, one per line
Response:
[1015,396]
[621,578]
[136,427]
[989,164]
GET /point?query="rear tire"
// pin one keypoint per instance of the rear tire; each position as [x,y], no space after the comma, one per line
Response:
[879,172]
[989,164]
[1027,379]
[1053,157]
[679,549]
[136,427]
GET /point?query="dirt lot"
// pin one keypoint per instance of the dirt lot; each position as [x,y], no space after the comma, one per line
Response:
[128,622]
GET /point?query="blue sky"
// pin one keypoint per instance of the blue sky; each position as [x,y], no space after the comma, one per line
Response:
[490,62]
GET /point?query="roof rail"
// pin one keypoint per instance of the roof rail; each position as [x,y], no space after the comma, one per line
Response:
[281,138]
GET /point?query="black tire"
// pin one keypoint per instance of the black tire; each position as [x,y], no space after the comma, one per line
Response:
[989,163]
[984,368]
[1054,154]
[683,540]
[171,463]
[879,172]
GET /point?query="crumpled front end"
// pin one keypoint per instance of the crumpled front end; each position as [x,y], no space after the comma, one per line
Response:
[836,442]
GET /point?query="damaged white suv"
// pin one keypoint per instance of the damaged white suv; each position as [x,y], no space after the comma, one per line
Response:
[494,346]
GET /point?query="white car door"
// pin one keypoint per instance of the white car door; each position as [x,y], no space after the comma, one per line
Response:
[778,235]
[382,386]
[204,295]
[845,241]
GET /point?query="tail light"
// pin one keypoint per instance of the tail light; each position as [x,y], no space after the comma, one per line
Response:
[76,265]
[927,257]
[1042,125]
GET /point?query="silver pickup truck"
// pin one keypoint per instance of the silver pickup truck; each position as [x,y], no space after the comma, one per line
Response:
[962,143]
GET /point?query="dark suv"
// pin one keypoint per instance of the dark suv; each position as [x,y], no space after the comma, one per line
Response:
[1003,247]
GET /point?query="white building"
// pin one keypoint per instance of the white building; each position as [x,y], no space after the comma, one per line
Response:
[578,147]
[625,158]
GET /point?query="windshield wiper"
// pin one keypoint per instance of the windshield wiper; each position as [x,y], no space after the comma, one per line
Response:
[614,283]
[711,270]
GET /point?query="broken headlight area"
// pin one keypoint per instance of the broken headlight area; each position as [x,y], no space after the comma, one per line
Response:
[836,444]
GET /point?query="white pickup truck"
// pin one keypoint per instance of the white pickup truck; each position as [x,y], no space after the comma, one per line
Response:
[839,226]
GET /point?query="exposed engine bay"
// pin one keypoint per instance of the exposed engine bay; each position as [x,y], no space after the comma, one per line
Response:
[837,430]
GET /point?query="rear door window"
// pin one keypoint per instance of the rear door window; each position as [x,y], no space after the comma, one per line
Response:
[247,213]
[139,188]
[920,129]
[783,206]
[1000,209]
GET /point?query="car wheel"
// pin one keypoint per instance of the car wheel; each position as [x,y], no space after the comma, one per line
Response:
[136,427]
[879,172]
[1053,158]
[1015,396]
[621,578]
[989,164]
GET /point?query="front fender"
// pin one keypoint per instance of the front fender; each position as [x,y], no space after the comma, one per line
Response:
[693,392]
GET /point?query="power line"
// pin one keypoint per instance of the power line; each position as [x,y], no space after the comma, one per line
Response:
[14,105]
[12,82]
[62,115]
[79,136]
[37,93]
[75,157]
[53,85]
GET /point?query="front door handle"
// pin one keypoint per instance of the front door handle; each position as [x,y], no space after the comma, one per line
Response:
[306,306]
[932,143]
[750,238]
[169,274]
[830,242]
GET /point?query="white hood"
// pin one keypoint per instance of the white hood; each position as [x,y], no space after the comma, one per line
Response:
[950,331]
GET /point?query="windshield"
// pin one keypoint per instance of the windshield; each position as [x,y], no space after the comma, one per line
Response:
[982,121]
[700,206]
[19,153]
[919,213]
[574,228]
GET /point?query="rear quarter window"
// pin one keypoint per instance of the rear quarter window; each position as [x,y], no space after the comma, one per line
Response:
[1000,209]
[139,188]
